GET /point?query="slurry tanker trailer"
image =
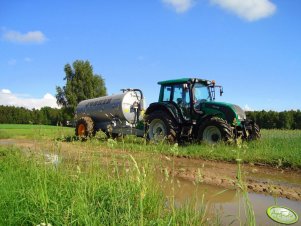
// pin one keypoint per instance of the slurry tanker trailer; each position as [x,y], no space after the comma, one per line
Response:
[186,110]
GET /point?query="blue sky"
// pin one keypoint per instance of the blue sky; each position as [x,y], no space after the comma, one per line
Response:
[251,47]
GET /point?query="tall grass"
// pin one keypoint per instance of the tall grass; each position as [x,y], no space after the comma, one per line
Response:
[86,192]
[242,189]
[76,193]
[281,148]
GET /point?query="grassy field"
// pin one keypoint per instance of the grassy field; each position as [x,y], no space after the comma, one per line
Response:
[279,148]
[35,191]
[60,192]
[20,131]
[38,189]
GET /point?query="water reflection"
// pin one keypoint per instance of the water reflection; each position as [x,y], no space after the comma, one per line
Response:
[229,204]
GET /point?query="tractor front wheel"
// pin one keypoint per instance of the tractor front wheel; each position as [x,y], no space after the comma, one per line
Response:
[160,126]
[215,130]
[254,133]
[84,127]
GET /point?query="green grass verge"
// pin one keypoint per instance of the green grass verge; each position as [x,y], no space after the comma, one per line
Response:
[33,192]
[281,148]
[25,131]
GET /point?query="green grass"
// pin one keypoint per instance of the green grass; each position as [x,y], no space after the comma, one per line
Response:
[85,192]
[280,148]
[33,192]
[276,147]
[21,131]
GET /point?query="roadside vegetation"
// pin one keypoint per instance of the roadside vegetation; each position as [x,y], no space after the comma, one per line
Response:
[46,190]
[27,131]
[57,191]
[278,148]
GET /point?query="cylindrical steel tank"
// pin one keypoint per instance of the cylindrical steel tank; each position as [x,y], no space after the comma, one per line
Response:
[120,106]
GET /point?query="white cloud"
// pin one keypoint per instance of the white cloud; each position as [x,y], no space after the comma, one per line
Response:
[7,98]
[250,10]
[247,108]
[180,6]
[29,37]
[5,91]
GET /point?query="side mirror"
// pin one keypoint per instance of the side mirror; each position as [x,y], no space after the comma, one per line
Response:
[221,91]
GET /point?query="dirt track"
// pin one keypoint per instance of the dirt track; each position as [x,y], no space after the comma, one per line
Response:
[284,183]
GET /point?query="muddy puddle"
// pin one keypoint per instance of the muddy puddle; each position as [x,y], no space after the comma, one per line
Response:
[228,204]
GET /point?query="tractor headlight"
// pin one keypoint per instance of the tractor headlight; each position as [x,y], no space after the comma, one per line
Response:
[241,116]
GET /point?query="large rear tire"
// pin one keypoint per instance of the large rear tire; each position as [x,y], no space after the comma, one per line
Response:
[254,133]
[215,130]
[160,126]
[84,127]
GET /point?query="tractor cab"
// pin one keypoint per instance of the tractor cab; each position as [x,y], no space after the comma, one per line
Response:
[188,94]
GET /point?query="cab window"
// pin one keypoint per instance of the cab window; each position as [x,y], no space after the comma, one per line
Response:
[166,93]
[181,95]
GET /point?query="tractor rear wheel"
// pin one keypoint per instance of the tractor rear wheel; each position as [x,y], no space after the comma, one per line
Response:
[161,126]
[84,127]
[215,130]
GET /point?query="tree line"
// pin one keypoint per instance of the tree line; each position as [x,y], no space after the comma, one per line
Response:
[276,120]
[45,116]
[52,116]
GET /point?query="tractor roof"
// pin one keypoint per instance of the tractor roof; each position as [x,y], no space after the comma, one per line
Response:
[184,80]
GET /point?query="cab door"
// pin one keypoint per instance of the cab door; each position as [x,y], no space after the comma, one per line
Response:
[181,97]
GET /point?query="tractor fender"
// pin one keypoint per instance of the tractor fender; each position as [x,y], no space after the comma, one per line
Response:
[167,107]
[221,111]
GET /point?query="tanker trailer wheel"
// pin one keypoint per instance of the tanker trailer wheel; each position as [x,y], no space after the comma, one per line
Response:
[160,127]
[84,127]
[215,130]
[254,133]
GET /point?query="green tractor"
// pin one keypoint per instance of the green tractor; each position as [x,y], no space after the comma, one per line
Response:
[187,110]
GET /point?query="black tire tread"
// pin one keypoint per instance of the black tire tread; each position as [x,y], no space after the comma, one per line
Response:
[255,133]
[171,125]
[223,125]
[89,125]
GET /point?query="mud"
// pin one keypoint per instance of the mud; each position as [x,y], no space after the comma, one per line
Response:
[285,183]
